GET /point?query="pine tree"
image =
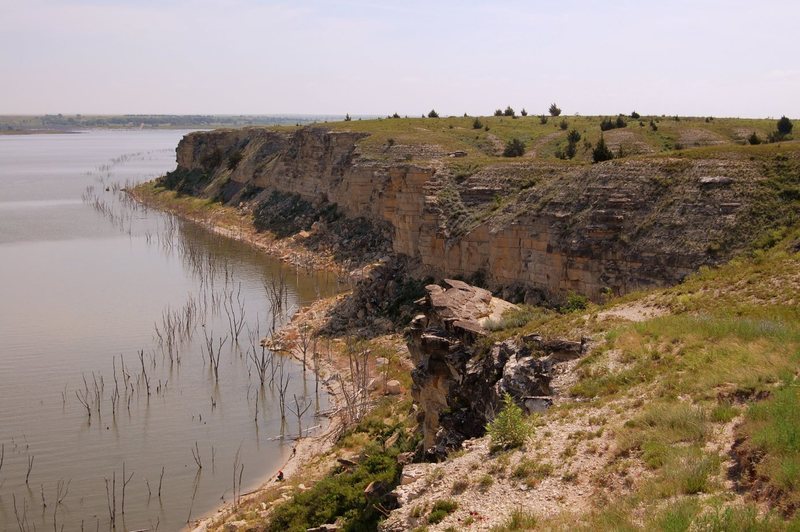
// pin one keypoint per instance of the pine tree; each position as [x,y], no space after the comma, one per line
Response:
[601,152]
[509,429]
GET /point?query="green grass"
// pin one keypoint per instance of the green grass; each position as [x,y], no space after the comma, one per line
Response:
[772,429]
[441,509]
[518,521]
[531,472]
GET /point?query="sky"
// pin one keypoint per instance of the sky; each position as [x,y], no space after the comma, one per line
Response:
[687,57]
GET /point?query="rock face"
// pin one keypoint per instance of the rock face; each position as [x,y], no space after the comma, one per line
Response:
[458,387]
[605,228]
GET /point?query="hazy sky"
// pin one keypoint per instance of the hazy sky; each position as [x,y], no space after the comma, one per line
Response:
[692,57]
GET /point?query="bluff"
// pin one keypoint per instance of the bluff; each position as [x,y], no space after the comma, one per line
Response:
[532,230]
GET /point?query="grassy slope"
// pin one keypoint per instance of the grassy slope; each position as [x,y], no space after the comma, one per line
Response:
[715,376]
[541,140]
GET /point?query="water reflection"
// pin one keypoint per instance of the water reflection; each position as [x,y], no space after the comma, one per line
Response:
[131,340]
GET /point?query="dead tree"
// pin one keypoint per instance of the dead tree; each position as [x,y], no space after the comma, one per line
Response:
[196,456]
[304,337]
[299,410]
[144,374]
[124,485]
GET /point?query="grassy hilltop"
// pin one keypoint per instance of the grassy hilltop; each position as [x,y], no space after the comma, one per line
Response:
[484,139]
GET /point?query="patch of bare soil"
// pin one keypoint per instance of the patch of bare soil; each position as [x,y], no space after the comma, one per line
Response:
[635,312]
[533,152]
[694,137]
[631,143]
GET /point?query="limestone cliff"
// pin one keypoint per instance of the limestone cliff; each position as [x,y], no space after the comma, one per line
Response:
[457,385]
[534,229]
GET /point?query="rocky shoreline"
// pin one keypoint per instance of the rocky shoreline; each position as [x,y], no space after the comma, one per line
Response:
[234,224]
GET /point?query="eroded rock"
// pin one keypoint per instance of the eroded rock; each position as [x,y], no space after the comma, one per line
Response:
[459,386]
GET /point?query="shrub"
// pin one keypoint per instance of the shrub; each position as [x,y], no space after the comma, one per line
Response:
[543,119]
[460,486]
[477,124]
[653,126]
[554,110]
[573,136]
[563,124]
[498,112]
[531,472]
[509,429]
[754,139]
[518,521]
[347,118]
[574,303]
[441,509]
[601,152]
[606,124]
[620,122]
[523,112]
[433,114]
[514,148]
[341,494]
[785,126]
[509,111]
[395,115]
[635,115]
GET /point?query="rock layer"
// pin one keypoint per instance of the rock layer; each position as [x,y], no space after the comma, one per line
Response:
[457,385]
[535,229]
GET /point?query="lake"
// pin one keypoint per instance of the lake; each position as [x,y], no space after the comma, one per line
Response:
[107,310]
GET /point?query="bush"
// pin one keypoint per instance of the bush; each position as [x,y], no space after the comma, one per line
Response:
[785,126]
[395,115]
[441,509]
[573,136]
[543,119]
[433,114]
[606,124]
[509,112]
[523,112]
[754,139]
[563,124]
[509,429]
[347,118]
[620,122]
[635,115]
[574,303]
[653,126]
[601,152]
[554,110]
[341,494]
[498,112]
[477,124]
[514,148]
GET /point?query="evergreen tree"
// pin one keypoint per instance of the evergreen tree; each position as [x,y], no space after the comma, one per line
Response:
[601,152]
[514,148]
[785,126]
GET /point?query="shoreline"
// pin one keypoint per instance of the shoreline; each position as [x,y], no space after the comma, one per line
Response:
[232,224]
[307,447]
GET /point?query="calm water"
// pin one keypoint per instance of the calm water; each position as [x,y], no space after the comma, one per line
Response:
[87,282]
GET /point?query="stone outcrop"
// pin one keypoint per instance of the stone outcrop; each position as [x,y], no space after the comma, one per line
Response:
[534,229]
[457,385]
